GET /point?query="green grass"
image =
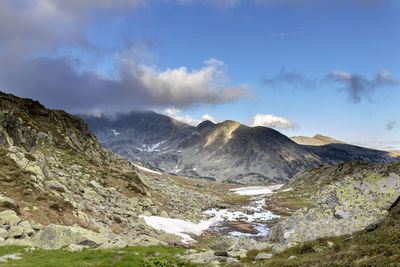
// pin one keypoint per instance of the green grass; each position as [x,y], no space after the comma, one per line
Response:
[129,256]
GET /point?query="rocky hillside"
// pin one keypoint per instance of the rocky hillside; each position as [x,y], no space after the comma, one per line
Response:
[225,152]
[59,187]
[352,197]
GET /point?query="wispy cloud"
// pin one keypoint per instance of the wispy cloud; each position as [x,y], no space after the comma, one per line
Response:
[179,115]
[356,86]
[269,120]
[290,78]
[381,145]
[208,117]
[390,125]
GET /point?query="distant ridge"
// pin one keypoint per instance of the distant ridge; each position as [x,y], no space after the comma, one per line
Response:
[316,140]
[226,152]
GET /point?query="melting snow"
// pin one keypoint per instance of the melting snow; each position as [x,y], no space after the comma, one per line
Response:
[152,148]
[147,170]
[256,190]
[257,206]
[286,190]
[182,228]
[115,132]
[179,227]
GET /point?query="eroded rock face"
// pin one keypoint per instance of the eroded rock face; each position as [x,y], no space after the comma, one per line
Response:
[344,207]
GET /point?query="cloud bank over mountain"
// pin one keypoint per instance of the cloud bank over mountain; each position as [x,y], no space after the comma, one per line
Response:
[33,33]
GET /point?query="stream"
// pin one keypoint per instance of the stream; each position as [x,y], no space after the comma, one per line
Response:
[249,220]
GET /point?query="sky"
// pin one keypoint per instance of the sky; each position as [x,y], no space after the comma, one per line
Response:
[300,66]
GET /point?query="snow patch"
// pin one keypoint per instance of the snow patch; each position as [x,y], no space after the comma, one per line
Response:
[153,147]
[179,227]
[256,190]
[146,169]
[286,190]
[115,132]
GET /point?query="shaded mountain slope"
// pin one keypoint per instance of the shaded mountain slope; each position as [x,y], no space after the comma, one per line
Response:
[227,151]
[336,153]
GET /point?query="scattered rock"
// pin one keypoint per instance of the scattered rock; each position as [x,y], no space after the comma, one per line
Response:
[75,248]
[53,184]
[263,256]
[6,202]
[231,261]
[9,218]
[292,258]
[88,243]
[7,257]
[3,233]
[371,227]
[330,244]
[221,253]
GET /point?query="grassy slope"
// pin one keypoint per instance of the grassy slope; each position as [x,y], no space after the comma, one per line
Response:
[130,256]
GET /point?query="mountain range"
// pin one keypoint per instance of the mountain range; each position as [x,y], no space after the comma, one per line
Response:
[225,152]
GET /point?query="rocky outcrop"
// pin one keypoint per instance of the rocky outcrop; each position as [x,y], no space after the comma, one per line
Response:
[16,231]
[354,203]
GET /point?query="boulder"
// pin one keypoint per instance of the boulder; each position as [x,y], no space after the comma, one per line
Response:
[21,230]
[231,261]
[3,234]
[53,184]
[9,218]
[263,256]
[58,236]
[343,207]
[75,248]
[8,203]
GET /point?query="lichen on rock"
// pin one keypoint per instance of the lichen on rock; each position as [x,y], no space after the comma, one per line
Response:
[340,208]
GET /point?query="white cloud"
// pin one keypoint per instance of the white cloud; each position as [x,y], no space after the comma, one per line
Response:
[390,125]
[379,144]
[209,118]
[269,120]
[177,114]
[180,87]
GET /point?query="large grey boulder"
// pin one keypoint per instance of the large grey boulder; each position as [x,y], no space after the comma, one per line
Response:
[58,236]
[341,208]
[8,218]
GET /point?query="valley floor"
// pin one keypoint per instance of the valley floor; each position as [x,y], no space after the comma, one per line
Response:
[378,247]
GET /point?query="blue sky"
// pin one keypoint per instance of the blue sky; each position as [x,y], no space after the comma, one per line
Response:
[339,61]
